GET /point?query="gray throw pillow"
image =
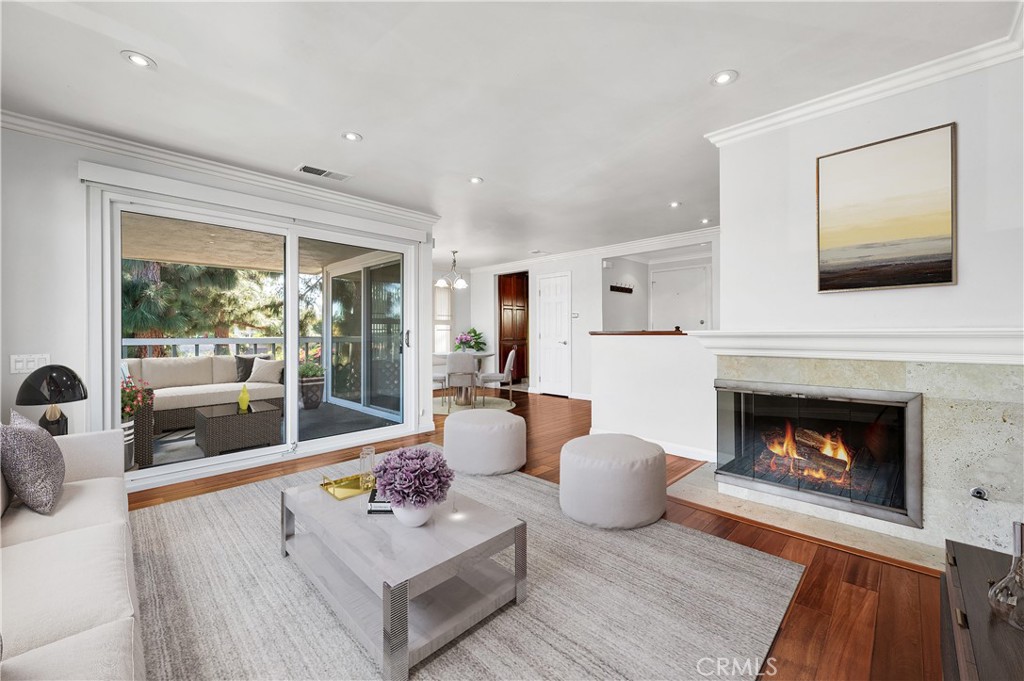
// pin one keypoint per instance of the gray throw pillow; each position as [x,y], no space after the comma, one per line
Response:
[243,366]
[32,463]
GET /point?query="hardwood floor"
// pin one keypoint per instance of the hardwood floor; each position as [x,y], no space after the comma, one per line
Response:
[852,617]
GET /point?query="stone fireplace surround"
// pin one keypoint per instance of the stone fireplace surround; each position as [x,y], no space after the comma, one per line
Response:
[972,435]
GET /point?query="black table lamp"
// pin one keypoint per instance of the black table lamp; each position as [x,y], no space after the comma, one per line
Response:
[52,384]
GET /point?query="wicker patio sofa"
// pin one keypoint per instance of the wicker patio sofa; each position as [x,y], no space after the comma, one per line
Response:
[181,384]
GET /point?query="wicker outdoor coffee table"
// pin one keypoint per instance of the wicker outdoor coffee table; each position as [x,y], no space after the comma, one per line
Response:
[220,428]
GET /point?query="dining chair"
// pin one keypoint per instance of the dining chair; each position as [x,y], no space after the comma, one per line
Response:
[440,379]
[501,378]
[460,369]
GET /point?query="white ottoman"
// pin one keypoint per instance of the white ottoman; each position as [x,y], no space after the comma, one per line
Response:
[612,481]
[484,441]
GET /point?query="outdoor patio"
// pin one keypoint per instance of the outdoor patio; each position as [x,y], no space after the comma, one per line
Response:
[326,420]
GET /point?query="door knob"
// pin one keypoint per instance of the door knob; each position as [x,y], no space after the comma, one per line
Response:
[409,346]
[564,342]
[702,321]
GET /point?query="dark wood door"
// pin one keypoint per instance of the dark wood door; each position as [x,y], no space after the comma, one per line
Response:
[514,325]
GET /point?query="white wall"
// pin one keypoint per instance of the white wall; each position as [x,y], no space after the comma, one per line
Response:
[768,234]
[659,388]
[44,256]
[706,262]
[625,311]
[586,302]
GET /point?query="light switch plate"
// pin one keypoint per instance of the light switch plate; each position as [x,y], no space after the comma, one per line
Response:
[26,364]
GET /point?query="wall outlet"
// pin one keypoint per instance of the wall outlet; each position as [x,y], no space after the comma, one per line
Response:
[26,364]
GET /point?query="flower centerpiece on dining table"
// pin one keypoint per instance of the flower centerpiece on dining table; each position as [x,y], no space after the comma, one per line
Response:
[414,480]
[470,340]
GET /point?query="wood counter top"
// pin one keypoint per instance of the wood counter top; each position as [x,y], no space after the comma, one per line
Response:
[677,332]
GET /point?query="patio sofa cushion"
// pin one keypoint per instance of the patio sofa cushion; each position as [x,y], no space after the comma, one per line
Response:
[243,366]
[109,651]
[224,370]
[134,367]
[190,396]
[266,370]
[163,372]
[64,584]
[82,504]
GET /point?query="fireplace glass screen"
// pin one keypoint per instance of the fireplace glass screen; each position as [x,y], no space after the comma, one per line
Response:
[839,448]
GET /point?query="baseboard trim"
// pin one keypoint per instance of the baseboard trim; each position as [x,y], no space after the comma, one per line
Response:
[580,396]
[888,560]
[673,448]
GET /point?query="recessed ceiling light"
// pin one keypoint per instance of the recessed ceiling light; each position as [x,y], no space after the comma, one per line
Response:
[353,137]
[476,180]
[725,77]
[138,59]
[674,204]
[704,221]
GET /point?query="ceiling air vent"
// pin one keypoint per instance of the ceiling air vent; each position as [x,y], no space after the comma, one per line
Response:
[320,172]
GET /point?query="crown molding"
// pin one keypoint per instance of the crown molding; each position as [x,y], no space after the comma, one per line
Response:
[656,243]
[956,346]
[29,125]
[696,257]
[953,65]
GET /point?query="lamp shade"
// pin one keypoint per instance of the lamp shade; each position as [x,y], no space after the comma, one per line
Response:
[51,384]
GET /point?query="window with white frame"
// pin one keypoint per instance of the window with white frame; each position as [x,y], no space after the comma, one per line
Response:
[442,319]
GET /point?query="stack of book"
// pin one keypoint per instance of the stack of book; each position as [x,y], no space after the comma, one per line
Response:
[375,505]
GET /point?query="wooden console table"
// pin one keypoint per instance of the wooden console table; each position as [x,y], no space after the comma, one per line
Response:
[975,644]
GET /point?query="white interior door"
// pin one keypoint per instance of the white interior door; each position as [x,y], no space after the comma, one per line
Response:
[681,297]
[554,334]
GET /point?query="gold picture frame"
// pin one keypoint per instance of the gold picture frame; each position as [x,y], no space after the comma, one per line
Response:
[887,213]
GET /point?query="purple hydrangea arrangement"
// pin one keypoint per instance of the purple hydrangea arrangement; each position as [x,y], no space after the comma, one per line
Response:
[413,476]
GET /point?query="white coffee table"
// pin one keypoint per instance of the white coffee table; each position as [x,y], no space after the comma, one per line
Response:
[404,592]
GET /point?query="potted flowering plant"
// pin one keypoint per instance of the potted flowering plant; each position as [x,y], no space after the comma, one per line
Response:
[414,480]
[134,396]
[311,384]
[470,340]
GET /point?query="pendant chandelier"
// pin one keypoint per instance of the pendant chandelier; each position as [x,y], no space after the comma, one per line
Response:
[452,279]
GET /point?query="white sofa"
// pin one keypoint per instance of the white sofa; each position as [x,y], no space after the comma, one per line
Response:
[180,384]
[70,609]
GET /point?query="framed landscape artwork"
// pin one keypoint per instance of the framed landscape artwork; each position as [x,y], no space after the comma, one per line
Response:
[887,213]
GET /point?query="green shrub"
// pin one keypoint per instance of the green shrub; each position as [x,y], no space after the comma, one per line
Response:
[310,370]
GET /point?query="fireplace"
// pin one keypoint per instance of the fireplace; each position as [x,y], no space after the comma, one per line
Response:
[853,450]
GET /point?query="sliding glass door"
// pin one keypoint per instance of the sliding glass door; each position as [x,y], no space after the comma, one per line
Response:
[346,337]
[385,347]
[362,336]
[202,334]
[211,362]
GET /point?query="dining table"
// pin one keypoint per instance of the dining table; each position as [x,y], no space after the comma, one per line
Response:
[464,394]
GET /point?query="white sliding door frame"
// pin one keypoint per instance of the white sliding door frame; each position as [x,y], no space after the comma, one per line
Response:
[106,201]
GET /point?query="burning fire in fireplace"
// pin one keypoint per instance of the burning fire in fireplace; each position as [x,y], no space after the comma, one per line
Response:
[808,453]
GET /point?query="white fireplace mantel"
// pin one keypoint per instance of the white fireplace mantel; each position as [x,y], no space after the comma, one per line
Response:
[963,346]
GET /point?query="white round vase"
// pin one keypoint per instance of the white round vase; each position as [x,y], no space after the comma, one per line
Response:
[410,516]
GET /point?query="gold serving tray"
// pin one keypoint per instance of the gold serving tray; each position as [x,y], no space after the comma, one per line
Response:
[345,488]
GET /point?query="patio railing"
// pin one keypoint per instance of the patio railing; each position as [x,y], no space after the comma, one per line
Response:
[194,347]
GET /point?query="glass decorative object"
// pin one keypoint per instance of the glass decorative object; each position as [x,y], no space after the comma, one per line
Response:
[243,400]
[1007,595]
[367,462]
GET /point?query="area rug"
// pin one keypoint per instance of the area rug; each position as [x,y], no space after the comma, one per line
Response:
[441,406]
[217,600]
